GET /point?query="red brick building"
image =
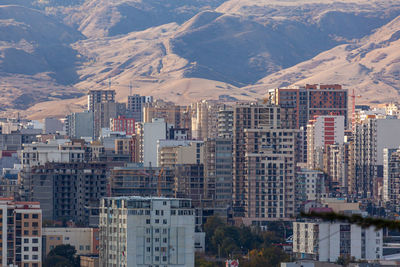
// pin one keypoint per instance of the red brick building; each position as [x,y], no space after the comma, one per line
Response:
[123,124]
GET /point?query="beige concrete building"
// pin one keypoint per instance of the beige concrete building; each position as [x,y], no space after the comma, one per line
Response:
[90,261]
[204,119]
[85,240]
[169,156]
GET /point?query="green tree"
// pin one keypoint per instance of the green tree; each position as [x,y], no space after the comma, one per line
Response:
[64,251]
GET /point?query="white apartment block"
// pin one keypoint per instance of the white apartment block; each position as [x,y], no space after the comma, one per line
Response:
[147,231]
[323,241]
[39,153]
[323,131]
[152,132]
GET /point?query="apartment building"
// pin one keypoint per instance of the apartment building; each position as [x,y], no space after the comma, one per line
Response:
[138,180]
[55,151]
[80,124]
[218,174]
[103,113]
[204,119]
[144,231]
[99,96]
[66,191]
[84,240]
[322,132]
[178,116]
[391,181]
[189,182]
[270,171]
[21,238]
[310,185]
[150,133]
[371,136]
[247,116]
[123,124]
[172,152]
[325,241]
[312,100]
[225,122]
[135,106]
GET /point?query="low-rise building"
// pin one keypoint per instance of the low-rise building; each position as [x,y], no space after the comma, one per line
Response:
[85,240]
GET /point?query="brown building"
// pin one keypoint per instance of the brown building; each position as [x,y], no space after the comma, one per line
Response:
[174,114]
[247,116]
[312,100]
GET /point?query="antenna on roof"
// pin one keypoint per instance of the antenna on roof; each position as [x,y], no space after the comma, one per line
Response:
[130,88]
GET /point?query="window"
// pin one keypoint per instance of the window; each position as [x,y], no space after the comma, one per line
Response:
[35,257]
[80,247]
[26,248]
[35,232]
[157,221]
[26,240]
[147,221]
[26,257]
[35,224]
[35,240]
[164,221]
[26,264]
[87,247]
[26,224]
[66,238]
[148,249]
[26,216]
[26,232]
[35,216]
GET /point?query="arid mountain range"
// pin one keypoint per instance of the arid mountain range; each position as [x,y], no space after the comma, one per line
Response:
[52,52]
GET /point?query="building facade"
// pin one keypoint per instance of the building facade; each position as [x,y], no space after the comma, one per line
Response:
[99,96]
[328,241]
[21,238]
[123,124]
[136,231]
[85,240]
[135,106]
[66,191]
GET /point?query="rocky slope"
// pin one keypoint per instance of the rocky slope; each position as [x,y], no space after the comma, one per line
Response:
[371,66]
[183,50]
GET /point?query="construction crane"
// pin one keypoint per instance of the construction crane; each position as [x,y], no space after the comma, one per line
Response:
[159,182]
[353,114]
